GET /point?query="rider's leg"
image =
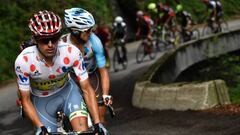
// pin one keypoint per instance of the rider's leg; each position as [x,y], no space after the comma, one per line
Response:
[76,109]
[102,112]
[95,82]
[79,124]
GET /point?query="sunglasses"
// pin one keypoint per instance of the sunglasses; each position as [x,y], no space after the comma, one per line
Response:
[77,32]
[47,40]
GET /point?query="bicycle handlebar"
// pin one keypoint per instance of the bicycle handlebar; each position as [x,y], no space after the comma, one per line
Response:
[110,108]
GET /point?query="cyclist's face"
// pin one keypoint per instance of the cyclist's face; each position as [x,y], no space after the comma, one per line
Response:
[85,34]
[48,46]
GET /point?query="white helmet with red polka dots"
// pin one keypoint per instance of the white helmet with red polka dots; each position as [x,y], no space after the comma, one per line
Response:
[45,24]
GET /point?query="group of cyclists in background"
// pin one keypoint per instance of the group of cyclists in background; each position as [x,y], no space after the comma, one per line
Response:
[160,25]
[70,72]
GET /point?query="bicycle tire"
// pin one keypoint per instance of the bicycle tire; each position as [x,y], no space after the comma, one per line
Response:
[152,52]
[115,61]
[140,53]
[125,64]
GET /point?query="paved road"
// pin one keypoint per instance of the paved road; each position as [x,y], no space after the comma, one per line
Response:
[130,120]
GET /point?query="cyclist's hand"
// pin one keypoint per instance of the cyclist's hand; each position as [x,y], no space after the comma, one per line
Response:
[100,129]
[107,99]
[43,131]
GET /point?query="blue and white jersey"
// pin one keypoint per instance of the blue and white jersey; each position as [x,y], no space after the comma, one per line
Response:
[93,52]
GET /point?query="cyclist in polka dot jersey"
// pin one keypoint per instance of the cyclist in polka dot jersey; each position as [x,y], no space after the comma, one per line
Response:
[43,81]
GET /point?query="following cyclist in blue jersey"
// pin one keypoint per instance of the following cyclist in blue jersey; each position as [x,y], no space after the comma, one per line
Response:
[119,31]
[44,85]
[80,24]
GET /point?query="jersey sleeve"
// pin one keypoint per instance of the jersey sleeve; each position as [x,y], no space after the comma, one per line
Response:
[78,64]
[22,73]
[98,51]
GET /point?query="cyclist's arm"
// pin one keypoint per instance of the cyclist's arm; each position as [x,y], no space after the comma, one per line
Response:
[101,62]
[125,31]
[150,23]
[29,109]
[82,77]
[138,27]
[90,99]
[104,80]
[22,73]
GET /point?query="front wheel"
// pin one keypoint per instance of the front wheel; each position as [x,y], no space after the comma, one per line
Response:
[116,61]
[152,52]
[119,62]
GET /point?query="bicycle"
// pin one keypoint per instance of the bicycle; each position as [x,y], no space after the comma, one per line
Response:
[64,126]
[213,27]
[146,47]
[120,61]
[170,37]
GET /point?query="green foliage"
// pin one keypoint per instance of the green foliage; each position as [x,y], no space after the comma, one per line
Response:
[197,8]
[14,16]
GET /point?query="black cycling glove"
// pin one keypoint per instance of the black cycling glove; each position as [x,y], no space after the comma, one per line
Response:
[100,129]
[43,131]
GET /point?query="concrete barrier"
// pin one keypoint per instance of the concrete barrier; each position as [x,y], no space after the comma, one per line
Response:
[155,91]
[180,96]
